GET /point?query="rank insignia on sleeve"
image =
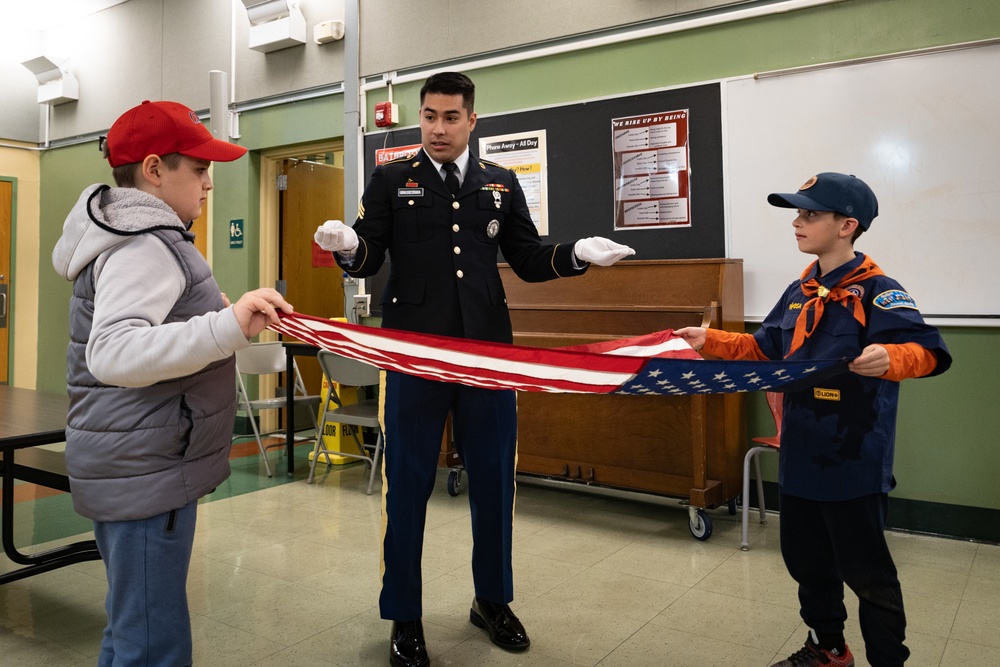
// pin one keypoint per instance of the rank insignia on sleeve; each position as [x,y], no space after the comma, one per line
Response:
[894,298]
[361,210]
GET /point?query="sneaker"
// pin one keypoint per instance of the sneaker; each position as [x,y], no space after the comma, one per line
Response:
[812,655]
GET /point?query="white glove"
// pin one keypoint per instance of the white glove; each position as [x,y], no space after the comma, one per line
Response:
[335,236]
[600,251]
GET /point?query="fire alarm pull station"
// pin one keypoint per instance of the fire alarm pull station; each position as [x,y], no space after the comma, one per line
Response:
[386,114]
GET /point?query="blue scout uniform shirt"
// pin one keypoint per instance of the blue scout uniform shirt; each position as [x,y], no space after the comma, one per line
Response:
[837,439]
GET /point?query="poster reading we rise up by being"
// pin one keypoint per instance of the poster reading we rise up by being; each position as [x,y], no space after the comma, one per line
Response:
[651,171]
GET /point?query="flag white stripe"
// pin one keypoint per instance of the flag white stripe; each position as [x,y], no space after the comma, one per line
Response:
[672,345]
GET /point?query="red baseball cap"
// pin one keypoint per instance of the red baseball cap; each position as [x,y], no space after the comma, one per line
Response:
[161,128]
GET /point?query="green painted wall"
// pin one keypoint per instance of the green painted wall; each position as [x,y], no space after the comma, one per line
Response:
[946,447]
[64,175]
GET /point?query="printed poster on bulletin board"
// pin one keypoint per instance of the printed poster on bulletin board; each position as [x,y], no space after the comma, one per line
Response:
[525,154]
[652,180]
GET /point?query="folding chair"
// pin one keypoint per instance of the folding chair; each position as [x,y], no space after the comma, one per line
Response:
[269,359]
[340,370]
[765,444]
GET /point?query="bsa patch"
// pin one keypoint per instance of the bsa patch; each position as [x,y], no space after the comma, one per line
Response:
[410,192]
[856,290]
[894,298]
[492,229]
[826,394]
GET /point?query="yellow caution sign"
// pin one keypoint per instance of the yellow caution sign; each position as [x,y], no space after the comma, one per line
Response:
[338,437]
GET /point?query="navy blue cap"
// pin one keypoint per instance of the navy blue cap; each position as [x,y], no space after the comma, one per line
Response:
[830,191]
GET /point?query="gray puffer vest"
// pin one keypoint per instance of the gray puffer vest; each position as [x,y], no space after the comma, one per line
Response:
[133,453]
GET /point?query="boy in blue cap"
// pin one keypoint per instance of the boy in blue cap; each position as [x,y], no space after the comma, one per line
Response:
[837,439]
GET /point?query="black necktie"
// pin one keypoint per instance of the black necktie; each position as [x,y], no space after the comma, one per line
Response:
[451,177]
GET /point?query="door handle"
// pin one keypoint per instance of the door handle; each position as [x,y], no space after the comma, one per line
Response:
[3,305]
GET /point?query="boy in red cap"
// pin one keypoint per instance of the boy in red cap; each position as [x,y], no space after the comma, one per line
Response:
[150,371]
[837,439]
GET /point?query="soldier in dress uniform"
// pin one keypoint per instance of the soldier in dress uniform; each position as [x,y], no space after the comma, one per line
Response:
[442,215]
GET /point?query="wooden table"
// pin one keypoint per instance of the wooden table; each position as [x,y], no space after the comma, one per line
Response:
[29,418]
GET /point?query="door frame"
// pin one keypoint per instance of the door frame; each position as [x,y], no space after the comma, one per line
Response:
[270,206]
[271,162]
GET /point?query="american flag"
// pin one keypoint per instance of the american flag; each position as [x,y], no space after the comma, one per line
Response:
[656,364]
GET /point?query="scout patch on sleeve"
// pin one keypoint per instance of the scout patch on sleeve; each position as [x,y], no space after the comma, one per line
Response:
[894,298]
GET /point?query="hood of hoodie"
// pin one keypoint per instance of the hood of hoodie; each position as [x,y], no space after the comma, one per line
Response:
[103,218]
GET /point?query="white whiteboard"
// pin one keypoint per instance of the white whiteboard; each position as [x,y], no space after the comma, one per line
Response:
[922,131]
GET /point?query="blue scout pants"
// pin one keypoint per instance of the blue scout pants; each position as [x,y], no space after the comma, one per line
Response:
[828,544]
[485,431]
[147,564]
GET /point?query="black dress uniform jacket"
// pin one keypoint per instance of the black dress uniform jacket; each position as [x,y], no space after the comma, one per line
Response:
[443,277]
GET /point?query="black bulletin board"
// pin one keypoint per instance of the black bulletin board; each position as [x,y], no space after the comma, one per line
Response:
[580,168]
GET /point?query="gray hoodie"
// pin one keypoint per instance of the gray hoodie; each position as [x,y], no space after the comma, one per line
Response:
[150,372]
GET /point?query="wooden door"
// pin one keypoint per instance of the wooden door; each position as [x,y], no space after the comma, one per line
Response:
[6,212]
[314,194]
[199,227]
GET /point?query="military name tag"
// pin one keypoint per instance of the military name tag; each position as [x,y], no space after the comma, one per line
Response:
[410,192]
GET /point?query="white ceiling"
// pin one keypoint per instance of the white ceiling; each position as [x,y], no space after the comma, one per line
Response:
[39,15]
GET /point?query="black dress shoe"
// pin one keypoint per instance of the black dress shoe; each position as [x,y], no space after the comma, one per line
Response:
[408,648]
[498,620]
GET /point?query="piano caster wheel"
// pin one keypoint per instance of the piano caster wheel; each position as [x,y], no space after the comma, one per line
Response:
[454,482]
[700,524]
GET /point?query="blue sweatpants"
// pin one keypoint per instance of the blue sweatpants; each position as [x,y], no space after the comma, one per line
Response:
[147,564]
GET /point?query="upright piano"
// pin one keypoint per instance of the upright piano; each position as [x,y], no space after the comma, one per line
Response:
[691,447]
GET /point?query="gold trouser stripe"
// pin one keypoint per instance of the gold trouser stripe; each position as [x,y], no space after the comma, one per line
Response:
[385,482]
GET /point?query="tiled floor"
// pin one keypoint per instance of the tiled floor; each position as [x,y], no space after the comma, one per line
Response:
[287,575]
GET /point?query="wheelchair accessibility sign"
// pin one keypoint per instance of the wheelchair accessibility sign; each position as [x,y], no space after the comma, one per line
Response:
[235,233]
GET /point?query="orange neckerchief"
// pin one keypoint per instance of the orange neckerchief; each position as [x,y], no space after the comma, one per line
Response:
[820,295]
